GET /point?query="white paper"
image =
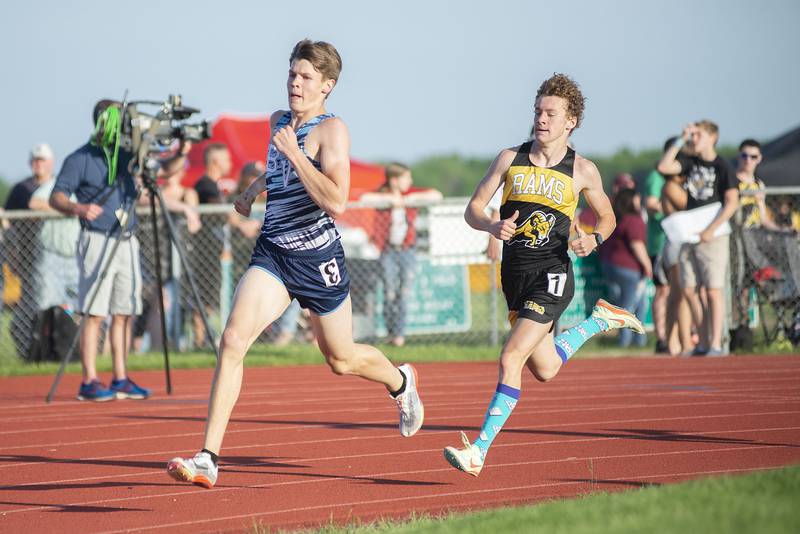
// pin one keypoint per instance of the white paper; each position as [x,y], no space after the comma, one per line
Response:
[685,226]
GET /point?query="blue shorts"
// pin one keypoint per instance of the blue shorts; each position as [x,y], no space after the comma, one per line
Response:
[318,279]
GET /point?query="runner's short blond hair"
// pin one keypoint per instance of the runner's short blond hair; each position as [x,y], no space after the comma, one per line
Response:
[322,55]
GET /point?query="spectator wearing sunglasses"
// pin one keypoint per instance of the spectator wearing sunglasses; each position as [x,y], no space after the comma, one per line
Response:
[753,215]
[753,208]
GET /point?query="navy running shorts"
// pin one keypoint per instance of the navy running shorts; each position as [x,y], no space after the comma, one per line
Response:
[318,279]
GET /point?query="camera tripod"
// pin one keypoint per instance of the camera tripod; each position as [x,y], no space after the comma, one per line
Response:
[148,173]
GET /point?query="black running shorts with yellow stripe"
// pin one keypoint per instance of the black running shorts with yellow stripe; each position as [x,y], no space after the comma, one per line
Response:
[536,270]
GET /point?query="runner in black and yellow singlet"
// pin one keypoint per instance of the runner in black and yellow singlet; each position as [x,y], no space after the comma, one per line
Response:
[535,218]
[536,270]
[546,203]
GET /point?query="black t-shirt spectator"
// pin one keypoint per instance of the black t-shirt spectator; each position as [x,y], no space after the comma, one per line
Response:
[21,194]
[706,181]
[206,245]
[207,191]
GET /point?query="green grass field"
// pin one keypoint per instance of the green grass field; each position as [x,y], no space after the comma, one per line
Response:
[760,503]
[260,355]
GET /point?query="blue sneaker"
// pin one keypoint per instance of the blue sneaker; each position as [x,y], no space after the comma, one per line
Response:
[127,389]
[95,391]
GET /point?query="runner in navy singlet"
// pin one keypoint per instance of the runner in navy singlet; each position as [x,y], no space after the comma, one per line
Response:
[298,255]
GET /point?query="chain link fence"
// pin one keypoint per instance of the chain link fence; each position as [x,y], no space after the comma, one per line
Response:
[765,264]
[429,282]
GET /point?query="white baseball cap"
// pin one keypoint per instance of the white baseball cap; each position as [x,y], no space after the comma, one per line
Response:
[41,151]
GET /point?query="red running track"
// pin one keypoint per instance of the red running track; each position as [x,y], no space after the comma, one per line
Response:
[305,447]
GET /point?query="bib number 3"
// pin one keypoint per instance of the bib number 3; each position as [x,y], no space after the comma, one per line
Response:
[556,283]
[330,273]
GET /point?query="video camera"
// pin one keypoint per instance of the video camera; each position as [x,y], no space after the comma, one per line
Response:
[147,135]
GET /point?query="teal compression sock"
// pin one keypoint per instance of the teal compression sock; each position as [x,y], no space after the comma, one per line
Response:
[503,403]
[569,341]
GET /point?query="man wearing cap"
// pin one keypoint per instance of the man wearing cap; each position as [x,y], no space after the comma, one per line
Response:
[58,239]
[21,246]
[41,161]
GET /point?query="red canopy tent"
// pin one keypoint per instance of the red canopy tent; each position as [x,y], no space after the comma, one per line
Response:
[247,138]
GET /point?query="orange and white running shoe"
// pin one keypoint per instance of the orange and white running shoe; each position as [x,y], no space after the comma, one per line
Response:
[617,317]
[199,470]
[467,459]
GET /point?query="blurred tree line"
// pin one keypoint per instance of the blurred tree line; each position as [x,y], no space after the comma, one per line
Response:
[5,187]
[456,175]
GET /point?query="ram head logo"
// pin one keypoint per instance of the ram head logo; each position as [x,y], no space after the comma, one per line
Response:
[536,228]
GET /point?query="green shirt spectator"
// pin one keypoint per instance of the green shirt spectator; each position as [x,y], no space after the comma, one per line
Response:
[655,235]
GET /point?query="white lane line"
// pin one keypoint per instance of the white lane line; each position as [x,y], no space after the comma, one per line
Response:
[316,425]
[164,454]
[579,381]
[738,393]
[526,444]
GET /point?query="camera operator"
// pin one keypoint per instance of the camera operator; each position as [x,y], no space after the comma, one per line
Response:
[99,177]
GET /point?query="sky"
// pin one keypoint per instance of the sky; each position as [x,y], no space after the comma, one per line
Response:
[420,78]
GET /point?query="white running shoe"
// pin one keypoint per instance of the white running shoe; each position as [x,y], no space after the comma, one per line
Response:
[617,317]
[467,459]
[412,412]
[199,470]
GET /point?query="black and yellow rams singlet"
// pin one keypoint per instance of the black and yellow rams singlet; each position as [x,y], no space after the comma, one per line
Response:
[546,202]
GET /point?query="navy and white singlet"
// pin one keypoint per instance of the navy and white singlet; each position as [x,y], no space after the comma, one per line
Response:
[292,219]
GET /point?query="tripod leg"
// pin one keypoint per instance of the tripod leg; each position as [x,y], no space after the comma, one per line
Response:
[160,291]
[66,360]
[189,273]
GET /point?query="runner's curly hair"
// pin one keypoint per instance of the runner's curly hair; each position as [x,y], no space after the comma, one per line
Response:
[565,87]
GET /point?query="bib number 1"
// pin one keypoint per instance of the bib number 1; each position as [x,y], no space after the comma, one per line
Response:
[556,283]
